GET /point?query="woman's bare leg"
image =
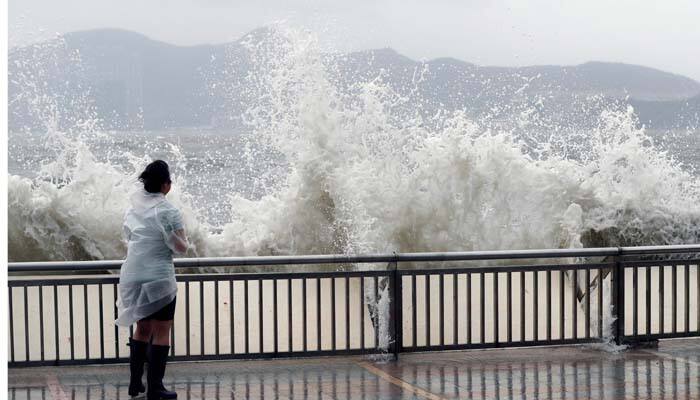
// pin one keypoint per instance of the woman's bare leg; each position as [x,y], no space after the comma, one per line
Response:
[161,332]
[144,331]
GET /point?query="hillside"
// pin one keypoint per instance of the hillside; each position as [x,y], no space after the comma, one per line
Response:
[132,81]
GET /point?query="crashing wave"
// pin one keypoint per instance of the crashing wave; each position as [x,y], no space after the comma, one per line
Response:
[362,173]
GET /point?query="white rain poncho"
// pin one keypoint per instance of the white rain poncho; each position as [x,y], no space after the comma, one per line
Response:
[147,277]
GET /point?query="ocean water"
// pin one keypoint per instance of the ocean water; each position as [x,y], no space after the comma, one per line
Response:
[324,167]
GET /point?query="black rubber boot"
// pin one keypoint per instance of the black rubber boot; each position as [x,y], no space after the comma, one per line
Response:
[137,357]
[157,359]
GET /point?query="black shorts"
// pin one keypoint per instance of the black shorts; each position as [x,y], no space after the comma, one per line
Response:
[166,313]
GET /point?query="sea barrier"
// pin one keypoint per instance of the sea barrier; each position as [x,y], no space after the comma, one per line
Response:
[385,305]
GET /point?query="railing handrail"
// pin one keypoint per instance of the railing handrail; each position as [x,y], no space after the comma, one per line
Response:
[50,266]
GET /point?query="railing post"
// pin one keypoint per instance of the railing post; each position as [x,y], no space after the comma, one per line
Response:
[395,310]
[618,298]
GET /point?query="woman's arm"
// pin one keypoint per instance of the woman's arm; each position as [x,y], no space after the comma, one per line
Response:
[170,224]
[179,241]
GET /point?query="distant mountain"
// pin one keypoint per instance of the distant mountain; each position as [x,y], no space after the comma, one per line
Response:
[136,82]
[133,80]
[593,78]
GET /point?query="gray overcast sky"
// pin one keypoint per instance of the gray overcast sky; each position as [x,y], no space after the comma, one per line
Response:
[663,34]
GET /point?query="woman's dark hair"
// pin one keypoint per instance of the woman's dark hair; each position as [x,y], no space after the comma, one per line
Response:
[155,175]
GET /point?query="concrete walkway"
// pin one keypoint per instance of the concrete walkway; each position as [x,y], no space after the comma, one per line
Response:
[670,372]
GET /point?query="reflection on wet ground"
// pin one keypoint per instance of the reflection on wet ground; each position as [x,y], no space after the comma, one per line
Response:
[671,371]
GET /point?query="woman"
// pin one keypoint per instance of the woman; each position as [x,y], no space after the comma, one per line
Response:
[147,287]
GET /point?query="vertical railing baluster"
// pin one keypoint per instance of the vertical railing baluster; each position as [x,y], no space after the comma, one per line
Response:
[333,319]
[549,305]
[574,304]
[376,312]
[187,318]
[561,305]
[647,309]
[509,310]
[686,279]
[41,320]
[289,315]
[600,303]
[70,317]
[662,290]
[102,322]
[441,282]
[261,328]
[303,313]
[201,317]
[216,317]
[173,328]
[427,311]
[11,314]
[414,312]
[26,325]
[496,339]
[246,323]
[635,302]
[396,308]
[275,330]
[619,300]
[469,308]
[674,299]
[232,321]
[87,317]
[318,313]
[455,310]
[55,321]
[588,304]
[535,306]
[362,312]
[522,306]
[482,305]
[347,313]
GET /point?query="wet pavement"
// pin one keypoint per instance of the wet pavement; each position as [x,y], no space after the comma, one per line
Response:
[671,371]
